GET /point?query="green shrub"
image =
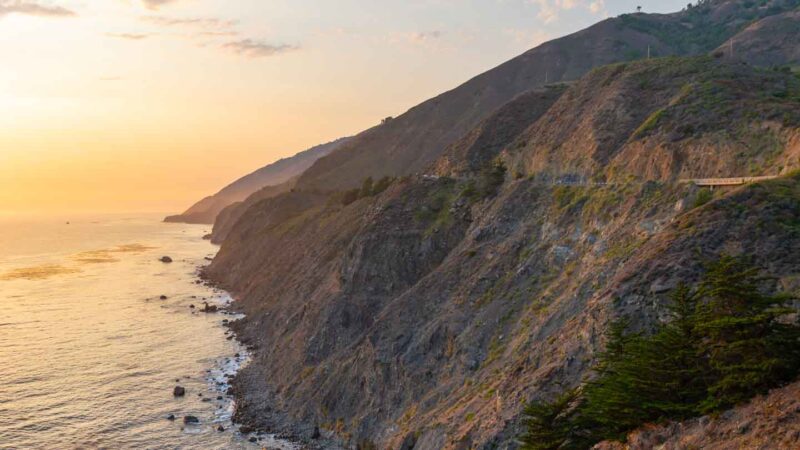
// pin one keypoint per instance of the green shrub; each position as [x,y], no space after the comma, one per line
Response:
[704,196]
[369,188]
[491,178]
[649,124]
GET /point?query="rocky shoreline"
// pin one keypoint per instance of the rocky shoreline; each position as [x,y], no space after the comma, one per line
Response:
[253,410]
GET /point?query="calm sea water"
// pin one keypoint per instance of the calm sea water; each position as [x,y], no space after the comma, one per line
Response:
[90,354]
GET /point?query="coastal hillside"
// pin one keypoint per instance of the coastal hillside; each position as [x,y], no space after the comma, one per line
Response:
[428,314]
[411,142]
[767,42]
[231,214]
[282,171]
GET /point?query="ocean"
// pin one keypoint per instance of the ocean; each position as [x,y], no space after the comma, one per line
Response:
[90,352]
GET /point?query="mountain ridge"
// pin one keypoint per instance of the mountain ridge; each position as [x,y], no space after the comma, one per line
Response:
[279,172]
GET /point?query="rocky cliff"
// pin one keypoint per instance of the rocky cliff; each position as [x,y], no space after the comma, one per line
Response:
[426,316]
[432,312]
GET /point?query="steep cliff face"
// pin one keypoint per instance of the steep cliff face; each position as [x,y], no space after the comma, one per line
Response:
[276,174]
[666,119]
[477,148]
[413,141]
[428,315]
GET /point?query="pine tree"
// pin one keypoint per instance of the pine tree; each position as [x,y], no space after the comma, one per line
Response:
[749,344]
[676,375]
[553,425]
[726,342]
[366,187]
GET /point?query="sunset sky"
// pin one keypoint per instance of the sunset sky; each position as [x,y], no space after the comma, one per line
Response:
[148,105]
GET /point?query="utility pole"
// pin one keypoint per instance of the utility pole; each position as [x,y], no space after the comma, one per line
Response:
[731,45]
[648,52]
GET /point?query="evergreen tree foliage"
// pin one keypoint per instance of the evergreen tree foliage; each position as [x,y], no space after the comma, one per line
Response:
[553,425]
[366,187]
[491,178]
[726,341]
[748,345]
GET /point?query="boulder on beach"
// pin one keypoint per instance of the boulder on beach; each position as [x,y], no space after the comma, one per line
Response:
[220,428]
[179,391]
[171,417]
[163,297]
[165,259]
[190,420]
[209,308]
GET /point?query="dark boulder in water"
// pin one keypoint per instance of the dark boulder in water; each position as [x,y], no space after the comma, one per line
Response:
[220,428]
[190,420]
[179,391]
[165,259]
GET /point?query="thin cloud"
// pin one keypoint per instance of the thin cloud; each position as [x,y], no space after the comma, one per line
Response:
[598,7]
[257,49]
[197,22]
[33,8]
[129,36]
[155,4]
[423,37]
[213,34]
[528,38]
[428,39]
[550,10]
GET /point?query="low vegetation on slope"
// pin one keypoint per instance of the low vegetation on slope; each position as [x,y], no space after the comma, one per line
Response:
[725,342]
[695,117]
